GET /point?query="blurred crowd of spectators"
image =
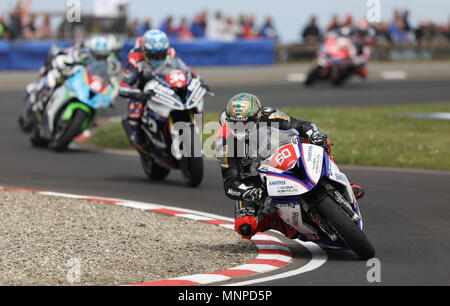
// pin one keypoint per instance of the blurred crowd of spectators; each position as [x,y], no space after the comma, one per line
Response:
[397,32]
[20,24]
[218,27]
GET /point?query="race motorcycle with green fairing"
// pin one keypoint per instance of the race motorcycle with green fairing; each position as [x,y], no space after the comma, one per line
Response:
[73,106]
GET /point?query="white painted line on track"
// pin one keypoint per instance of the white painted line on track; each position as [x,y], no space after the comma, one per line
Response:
[296,77]
[274,257]
[394,75]
[319,258]
[204,279]
[259,268]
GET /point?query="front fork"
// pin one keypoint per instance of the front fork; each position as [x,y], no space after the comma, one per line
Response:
[180,139]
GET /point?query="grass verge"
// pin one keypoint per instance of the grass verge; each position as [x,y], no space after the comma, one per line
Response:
[372,136]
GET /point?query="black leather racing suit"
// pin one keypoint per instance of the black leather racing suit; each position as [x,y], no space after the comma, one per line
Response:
[236,171]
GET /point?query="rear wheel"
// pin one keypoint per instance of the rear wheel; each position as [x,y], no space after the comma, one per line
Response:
[346,228]
[152,169]
[66,132]
[344,76]
[313,76]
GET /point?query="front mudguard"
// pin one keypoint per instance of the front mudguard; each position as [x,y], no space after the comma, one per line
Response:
[72,107]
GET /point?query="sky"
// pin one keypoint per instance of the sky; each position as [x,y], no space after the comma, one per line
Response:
[290,16]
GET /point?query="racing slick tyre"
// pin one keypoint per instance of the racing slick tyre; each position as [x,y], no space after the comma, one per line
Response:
[152,169]
[65,133]
[344,76]
[346,228]
[27,119]
[192,170]
[313,76]
[36,140]
[192,167]
[25,126]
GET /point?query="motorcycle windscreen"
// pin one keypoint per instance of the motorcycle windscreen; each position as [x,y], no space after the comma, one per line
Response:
[81,85]
[99,84]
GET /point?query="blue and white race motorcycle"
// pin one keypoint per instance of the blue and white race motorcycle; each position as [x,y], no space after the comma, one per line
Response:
[172,136]
[73,106]
[309,192]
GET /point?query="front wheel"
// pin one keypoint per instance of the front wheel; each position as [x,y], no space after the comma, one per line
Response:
[191,165]
[66,132]
[346,228]
[192,170]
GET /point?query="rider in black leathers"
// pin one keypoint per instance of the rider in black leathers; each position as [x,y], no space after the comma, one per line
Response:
[239,182]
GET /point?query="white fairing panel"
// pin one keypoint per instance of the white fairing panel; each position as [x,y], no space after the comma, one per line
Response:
[160,109]
[58,99]
[313,161]
[281,187]
[336,175]
[292,215]
[166,96]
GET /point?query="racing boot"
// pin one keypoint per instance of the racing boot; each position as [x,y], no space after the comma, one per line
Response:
[137,137]
[274,221]
[357,190]
[135,110]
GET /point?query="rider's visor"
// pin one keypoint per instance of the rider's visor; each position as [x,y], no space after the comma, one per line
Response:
[156,55]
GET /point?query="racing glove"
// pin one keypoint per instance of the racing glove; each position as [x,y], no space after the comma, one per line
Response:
[253,195]
[319,139]
[138,95]
[206,86]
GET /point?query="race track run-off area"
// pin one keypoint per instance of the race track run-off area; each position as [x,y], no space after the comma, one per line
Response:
[405,212]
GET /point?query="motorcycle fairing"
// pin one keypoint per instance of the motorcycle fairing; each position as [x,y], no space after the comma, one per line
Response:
[56,102]
[335,175]
[291,213]
[167,97]
[312,159]
[78,88]
[79,85]
[195,94]
[283,185]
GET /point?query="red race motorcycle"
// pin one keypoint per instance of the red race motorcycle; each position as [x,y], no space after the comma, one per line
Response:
[337,60]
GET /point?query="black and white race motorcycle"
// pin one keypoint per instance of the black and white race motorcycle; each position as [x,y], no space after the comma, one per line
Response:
[309,192]
[173,138]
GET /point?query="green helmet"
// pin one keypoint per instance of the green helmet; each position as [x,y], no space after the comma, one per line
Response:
[243,112]
[244,108]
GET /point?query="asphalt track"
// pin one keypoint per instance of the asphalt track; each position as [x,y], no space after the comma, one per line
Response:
[406,213]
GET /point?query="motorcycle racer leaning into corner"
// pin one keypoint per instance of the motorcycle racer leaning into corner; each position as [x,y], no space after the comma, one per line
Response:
[60,62]
[240,182]
[363,38]
[151,51]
